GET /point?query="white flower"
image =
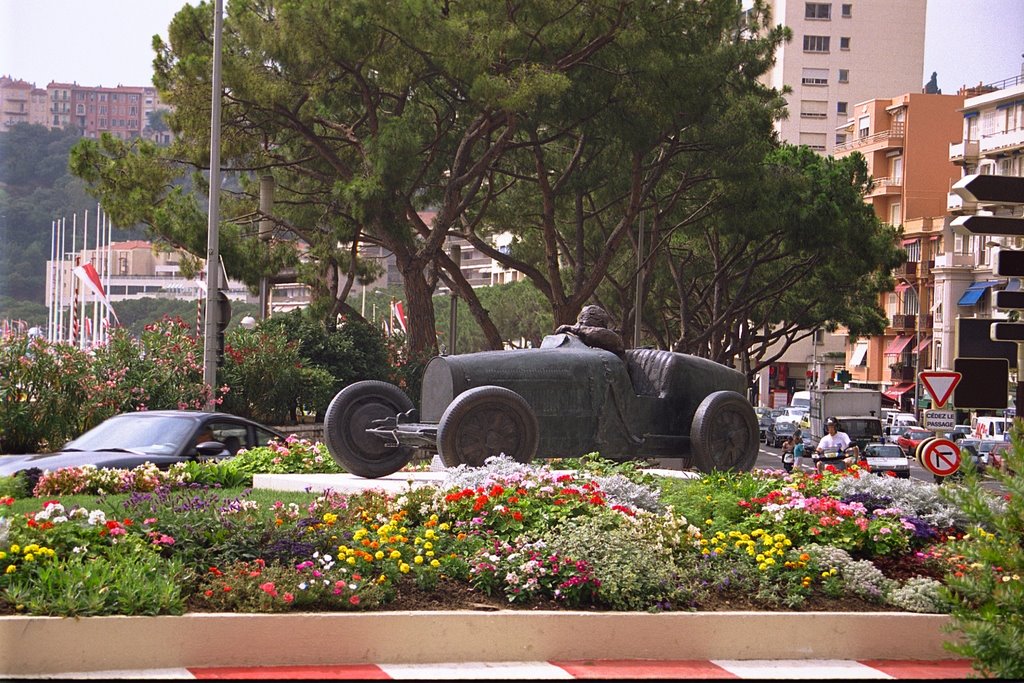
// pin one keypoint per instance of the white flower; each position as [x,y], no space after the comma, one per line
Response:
[97,517]
[303,586]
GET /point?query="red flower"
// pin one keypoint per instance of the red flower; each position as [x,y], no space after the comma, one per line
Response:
[354,599]
[517,515]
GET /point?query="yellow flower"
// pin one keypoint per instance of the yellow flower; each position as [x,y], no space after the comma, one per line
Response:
[430,533]
[428,545]
[418,559]
[404,568]
[330,518]
[2,554]
[705,551]
[709,522]
[30,557]
[11,569]
[351,559]
[394,555]
[430,553]
[435,564]
[379,555]
[382,579]
[15,548]
[762,566]
[760,557]
[445,526]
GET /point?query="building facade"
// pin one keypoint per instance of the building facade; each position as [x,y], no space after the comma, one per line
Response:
[904,141]
[21,102]
[842,53]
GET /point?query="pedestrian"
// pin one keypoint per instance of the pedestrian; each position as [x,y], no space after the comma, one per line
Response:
[787,454]
[798,450]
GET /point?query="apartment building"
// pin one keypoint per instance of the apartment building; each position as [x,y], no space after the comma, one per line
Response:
[842,53]
[904,141]
[991,142]
[21,102]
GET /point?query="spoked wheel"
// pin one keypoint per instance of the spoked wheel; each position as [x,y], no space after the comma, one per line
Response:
[487,421]
[723,434]
[348,417]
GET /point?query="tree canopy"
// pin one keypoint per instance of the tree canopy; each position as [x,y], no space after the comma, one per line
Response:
[561,124]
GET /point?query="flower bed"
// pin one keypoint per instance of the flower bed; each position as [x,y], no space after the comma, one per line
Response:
[604,538]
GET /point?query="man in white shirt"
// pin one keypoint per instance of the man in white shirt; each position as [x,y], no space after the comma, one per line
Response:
[833,445]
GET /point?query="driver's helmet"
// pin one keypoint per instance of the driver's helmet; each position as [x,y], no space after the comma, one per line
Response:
[832,422]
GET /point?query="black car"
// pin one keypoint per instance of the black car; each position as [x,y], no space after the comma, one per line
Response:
[565,399]
[780,431]
[162,437]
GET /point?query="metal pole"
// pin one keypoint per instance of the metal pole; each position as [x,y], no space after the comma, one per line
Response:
[213,243]
[917,355]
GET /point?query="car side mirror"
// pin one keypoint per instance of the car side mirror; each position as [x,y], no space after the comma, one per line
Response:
[211,448]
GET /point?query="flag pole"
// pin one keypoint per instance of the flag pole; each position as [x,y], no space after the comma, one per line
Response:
[50,281]
[213,218]
[73,313]
[82,318]
[61,237]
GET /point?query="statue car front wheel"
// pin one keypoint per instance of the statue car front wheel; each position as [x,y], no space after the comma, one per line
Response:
[487,421]
[350,414]
[724,433]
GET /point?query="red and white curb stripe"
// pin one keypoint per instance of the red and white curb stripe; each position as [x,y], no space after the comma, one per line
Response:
[818,669]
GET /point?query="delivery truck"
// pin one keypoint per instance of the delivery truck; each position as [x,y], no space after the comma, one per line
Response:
[859,413]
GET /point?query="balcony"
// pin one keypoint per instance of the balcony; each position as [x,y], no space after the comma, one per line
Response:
[999,143]
[886,139]
[904,322]
[962,153]
[908,269]
[901,373]
[956,204]
[881,187]
[927,323]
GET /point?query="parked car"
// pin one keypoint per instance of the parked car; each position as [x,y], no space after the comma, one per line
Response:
[959,432]
[793,414]
[781,430]
[897,423]
[565,399]
[162,437]
[911,438]
[993,453]
[764,423]
[883,458]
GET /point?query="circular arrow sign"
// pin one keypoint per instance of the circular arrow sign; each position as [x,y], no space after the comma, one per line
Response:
[941,457]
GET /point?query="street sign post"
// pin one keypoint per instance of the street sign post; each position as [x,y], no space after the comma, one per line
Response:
[1009,332]
[990,189]
[941,457]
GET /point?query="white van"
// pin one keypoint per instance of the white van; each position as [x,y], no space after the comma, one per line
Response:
[989,427]
[801,399]
[896,423]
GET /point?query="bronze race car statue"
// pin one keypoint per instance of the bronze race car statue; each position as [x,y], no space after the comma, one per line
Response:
[564,399]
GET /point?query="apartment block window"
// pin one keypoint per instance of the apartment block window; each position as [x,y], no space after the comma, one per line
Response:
[913,251]
[863,126]
[844,75]
[815,141]
[840,138]
[814,76]
[895,214]
[841,108]
[844,43]
[847,10]
[80,109]
[818,10]
[813,109]
[103,123]
[816,43]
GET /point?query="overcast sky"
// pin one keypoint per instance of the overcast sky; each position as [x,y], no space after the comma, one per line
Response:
[109,42]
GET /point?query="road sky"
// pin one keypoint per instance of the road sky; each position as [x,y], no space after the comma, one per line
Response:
[109,42]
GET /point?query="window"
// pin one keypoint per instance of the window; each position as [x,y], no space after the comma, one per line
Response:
[818,10]
[80,109]
[913,251]
[840,138]
[896,168]
[813,109]
[814,77]
[841,108]
[816,43]
[815,141]
[847,11]
[863,126]
[844,43]
[895,213]
[844,75]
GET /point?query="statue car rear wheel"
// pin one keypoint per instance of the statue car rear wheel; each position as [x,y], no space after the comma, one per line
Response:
[350,414]
[724,433]
[484,422]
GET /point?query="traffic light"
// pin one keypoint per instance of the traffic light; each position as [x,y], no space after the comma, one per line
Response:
[223,318]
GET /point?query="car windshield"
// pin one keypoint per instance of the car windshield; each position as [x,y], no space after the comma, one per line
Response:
[863,429]
[147,434]
[915,434]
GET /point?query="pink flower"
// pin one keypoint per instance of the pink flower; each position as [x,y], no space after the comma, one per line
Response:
[269,589]
[288,597]
[354,599]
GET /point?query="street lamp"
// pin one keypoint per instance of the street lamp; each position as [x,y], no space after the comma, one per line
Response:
[248,322]
[917,344]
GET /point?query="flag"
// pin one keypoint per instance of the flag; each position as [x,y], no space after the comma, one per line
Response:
[399,314]
[88,275]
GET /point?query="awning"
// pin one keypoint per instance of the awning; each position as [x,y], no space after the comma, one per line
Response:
[897,345]
[910,240]
[923,345]
[859,352]
[902,287]
[894,393]
[972,295]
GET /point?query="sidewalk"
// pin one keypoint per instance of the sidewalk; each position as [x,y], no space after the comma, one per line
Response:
[810,669]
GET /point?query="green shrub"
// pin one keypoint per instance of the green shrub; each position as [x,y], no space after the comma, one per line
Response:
[293,456]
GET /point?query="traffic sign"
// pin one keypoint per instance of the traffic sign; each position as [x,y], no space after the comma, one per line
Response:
[1009,262]
[990,189]
[941,457]
[983,383]
[1005,300]
[988,225]
[940,385]
[940,420]
[1007,332]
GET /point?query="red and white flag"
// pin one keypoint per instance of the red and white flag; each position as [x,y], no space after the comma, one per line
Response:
[88,275]
[399,314]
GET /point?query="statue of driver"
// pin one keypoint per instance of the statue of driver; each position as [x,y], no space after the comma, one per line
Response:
[593,329]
